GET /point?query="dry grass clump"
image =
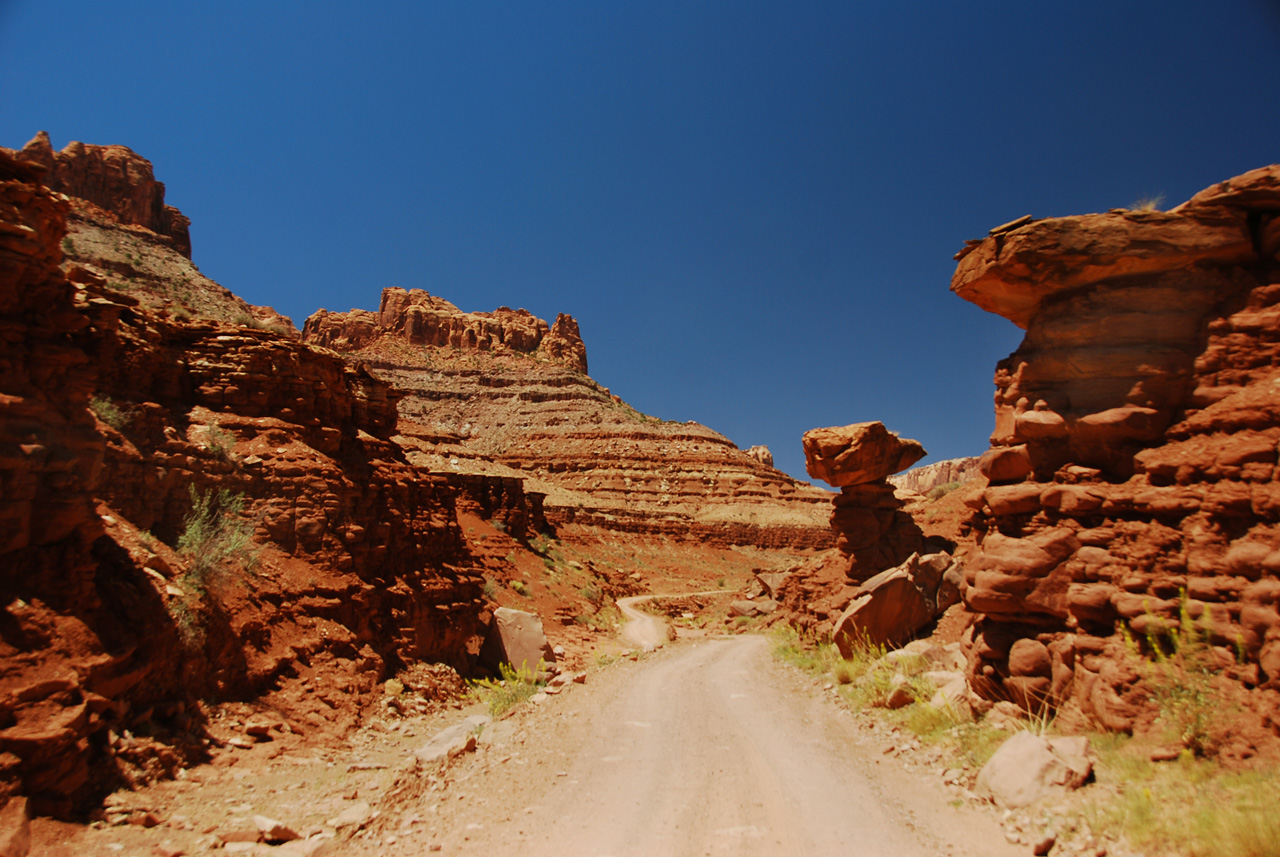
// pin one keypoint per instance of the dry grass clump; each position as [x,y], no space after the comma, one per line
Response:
[516,685]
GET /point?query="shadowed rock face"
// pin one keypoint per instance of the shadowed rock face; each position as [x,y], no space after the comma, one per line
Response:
[1135,449]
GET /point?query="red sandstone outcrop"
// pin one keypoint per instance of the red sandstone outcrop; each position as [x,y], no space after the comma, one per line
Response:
[1133,465]
[871,529]
[857,454]
[418,318]
[56,612]
[119,229]
[505,390]
[874,585]
[117,180]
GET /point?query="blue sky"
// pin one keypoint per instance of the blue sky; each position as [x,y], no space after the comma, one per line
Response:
[750,208]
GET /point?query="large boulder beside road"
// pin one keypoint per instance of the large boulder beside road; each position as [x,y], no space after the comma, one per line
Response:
[890,607]
[516,638]
[1029,767]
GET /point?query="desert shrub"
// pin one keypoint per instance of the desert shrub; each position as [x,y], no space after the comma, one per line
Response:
[220,442]
[110,413]
[937,492]
[593,593]
[1180,677]
[515,686]
[1147,203]
[489,588]
[519,587]
[214,536]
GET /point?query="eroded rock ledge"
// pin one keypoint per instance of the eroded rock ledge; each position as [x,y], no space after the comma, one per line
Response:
[1132,473]
[117,181]
[426,320]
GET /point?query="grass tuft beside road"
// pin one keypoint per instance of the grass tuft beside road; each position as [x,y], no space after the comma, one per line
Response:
[1193,806]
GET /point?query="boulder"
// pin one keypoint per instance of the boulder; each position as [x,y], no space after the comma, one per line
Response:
[273,830]
[516,638]
[890,607]
[357,815]
[772,581]
[453,741]
[857,454]
[1030,767]
[15,828]
[758,607]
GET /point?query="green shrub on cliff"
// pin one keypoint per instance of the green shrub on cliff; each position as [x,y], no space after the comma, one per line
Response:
[215,535]
[109,412]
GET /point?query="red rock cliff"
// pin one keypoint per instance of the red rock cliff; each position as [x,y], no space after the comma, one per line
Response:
[418,318]
[359,564]
[1134,455]
[506,389]
[116,180]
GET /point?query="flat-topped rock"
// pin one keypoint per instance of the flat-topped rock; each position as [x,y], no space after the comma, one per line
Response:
[857,454]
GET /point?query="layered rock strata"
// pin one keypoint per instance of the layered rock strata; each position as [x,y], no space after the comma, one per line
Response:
[116,420]
[506,390]
[419,319]
[1132,473]
[116,180]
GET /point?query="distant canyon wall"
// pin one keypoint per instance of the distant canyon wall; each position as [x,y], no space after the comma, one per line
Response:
[504,389]
[422,319]
[925,478]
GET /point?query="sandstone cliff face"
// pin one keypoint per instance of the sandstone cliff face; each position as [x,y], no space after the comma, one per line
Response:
[356,564]
[1135,449]
[55,609]
[118,227]
[417,318]
[505,389]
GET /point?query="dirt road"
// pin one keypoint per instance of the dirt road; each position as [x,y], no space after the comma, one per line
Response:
[644,630]
[711,748]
